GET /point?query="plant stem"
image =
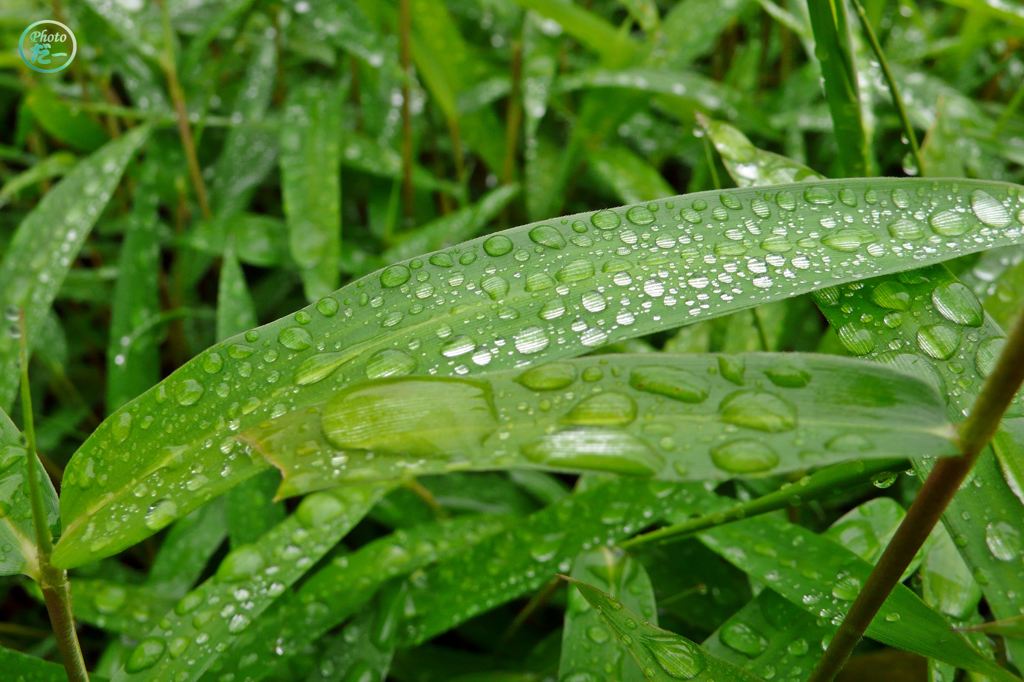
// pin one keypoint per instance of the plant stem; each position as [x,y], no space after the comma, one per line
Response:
[940,487]
[167,62]
[404,39]
[890,81]
[53,581]
[819,484]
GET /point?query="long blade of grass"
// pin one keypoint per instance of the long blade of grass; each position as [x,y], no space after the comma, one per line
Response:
[791,411]
[184,643]
[904,622]
[48,240]
[650,267]
[265,649]
[834,54]
[311,144]
[662,655]
[135,368]
[587,646]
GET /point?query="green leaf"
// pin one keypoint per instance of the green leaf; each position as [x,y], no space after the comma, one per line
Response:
[265,648]
[48,239]
[662,655]
[364,648]
[648,273]
[452,228]
[69,125]
[22,667]
[133,368]
[311,140]
[185,642]
[631,178]
[55,165]
[249,152]
[186,549]
[928,323]
[532,552]
[835,56]
[616,47]
[17,531]
[587,646]
[774,551]
[235,309]
[757,414]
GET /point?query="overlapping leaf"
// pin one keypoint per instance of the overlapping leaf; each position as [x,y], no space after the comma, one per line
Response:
[541,291]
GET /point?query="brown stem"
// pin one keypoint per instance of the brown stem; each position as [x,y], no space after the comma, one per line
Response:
[940,487]
[404,39]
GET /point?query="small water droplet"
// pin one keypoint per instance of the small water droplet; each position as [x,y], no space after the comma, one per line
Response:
[744,456]
[295,338]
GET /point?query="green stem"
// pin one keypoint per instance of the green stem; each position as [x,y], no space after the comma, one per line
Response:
[819,484]
[936,493]
[52,581]
[890,81]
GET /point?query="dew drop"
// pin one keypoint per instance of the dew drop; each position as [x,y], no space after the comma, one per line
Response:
[188,392]
[145,655]
[939,341]
[677,657]
[989,209]
[395,275]
[891,295]
[327,306]
[531,340]
[295,338]
[857,339]
[958,304]
[605,220]
[1003,540]
[161,513]
[603,409]
[743,638]
[389,362]
[241,563]
[818,195]
[671,382]
[575,271]
[548,236]
[744,456]
[758,410]
[318,509]
[640,215]
[497,245]
[948,223]
[906,229]
[550,377]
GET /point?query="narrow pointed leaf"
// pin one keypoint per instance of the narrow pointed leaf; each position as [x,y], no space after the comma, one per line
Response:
[48,239]
[265,648]
[511,564]
[773,551]
[133,360]
[650,266]
[184,643]
[662,655]
[627,414]
[587,646]
[18,552]
[311,141]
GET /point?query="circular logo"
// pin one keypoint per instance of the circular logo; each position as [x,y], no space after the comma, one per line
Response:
[47,46]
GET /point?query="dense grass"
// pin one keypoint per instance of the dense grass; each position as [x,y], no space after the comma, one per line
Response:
[513,340]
